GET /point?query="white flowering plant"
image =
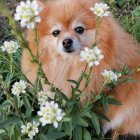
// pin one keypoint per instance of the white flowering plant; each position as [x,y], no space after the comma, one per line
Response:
[27,112]
[92,56]
[100,9]
[10,47]
[28,14]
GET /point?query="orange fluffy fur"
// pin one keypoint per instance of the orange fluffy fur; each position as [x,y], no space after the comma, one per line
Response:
[116,45]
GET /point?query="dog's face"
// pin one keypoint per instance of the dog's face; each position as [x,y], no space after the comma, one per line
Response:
[70,39]
[67,26]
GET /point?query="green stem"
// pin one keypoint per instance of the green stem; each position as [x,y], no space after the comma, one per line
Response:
[102,88]
[89,75]
[11,64]
[13,102]
[41,73]
[81,78]
[36,42]
[98,21]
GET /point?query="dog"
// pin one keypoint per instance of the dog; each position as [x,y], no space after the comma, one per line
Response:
[66,28]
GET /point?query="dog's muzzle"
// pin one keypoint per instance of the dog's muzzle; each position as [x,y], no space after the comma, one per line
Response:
[67,44]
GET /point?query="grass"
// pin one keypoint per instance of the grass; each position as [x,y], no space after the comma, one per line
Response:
[127,12]
[130,18]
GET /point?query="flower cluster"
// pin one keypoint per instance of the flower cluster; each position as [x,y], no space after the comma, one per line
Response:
[42,97]
[28,14]
[31,129]
[50,113]
[10,47]
[110,76]
[19,87]
[100,9]
[92,56]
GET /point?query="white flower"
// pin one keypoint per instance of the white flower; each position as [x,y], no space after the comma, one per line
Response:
[50,113]
[28,14]
[31,129]
[100,9]
[19,87]
[110,76]
[10,46]
[92,56]
[42,97]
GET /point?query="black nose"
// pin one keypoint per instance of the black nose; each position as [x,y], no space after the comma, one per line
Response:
[67,43]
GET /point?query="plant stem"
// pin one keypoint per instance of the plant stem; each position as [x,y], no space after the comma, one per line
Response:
[81,78]
[13,102]
[11,64]
[89,75]
[98,21]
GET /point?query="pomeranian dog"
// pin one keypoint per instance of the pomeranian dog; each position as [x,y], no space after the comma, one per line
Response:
[67,26]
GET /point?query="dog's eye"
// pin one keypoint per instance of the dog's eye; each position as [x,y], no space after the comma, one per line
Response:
[79,30]
[55,33]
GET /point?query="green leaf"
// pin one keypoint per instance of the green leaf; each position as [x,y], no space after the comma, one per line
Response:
[3,134]
[86,134]
[63,96]
[82,122]
[74,90]
[120,2]
[132,80]
[136,12]
[85,75]
[41,137]
[69,110]
[114,102]
[96,124]
[86,114]
[102,116]
[105,105]
[11,130]
[55,135]
[68,129]
[18,101]
[75,121]
[84,94]
[72,81]
[40,84]
[2,131]
[6,104]
[17,134]
[66,119]
[11,120]
[27,106]
[126,71]
[78,133]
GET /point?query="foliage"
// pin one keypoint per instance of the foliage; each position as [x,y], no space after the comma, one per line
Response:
[128,14]
[81,122]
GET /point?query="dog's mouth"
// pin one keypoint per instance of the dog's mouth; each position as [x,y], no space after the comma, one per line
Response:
[69,50]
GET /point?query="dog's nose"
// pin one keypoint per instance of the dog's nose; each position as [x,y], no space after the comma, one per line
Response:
[67,43]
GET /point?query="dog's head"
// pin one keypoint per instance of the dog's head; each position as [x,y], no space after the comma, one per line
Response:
[67,26]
